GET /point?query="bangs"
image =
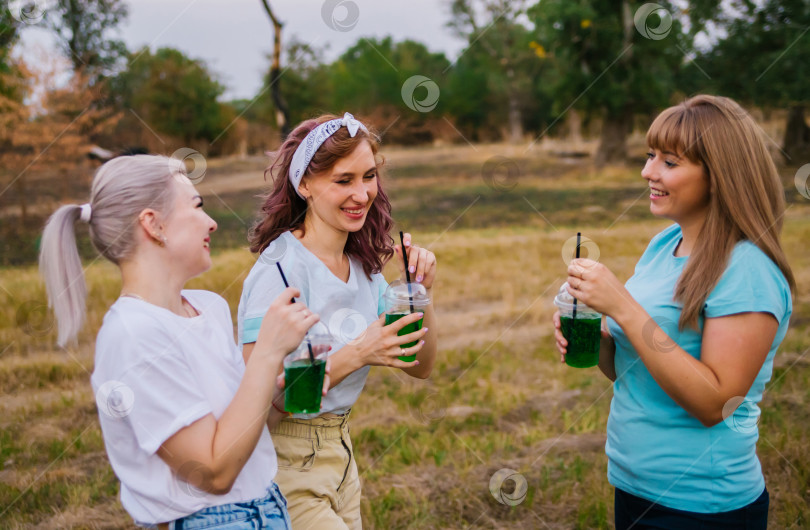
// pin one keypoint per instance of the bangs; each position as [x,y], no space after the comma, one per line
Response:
[675,130]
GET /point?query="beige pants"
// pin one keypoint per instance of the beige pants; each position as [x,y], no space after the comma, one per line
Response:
[317,472]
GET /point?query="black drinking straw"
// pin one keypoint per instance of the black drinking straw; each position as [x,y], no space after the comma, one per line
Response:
[405,261]
[574,316]
[284,279]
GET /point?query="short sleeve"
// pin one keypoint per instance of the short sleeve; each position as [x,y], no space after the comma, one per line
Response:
[160,394]
[381,285]
[263,286]
[750,283]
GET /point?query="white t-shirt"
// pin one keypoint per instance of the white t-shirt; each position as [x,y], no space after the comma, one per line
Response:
[155,373]
[345,308]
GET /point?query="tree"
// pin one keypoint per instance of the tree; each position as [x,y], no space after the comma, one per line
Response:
[608,59]
[306,89]
[282,114]
[83,28]
[505,42]
[51,135]
[13,113]
[370,74]
[172,93]
[763,61]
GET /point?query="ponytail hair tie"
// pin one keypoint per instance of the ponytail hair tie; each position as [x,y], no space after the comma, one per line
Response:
[86,212]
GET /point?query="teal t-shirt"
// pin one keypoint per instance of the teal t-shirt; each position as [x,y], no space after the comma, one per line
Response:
[657,450]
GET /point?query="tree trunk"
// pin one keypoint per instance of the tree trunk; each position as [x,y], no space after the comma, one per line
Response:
[515,121]
[617,124]
[515,114]
[282,114]
[613,140]
[797,136]
[574,122]
[22,201]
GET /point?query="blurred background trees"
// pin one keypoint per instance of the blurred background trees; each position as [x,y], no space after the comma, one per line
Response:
[530,70]
[763,61]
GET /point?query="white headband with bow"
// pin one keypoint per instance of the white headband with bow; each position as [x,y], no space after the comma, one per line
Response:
[316,137]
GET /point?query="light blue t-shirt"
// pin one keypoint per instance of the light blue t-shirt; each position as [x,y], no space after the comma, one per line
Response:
[345,308]
[657,450]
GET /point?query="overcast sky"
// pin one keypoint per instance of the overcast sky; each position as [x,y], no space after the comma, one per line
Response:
[234,36]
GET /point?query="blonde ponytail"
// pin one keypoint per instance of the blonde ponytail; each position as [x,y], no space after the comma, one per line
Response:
[61,268]
[122,189]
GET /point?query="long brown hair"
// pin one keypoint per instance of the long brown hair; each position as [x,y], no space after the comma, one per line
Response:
[284,210]
[746,196]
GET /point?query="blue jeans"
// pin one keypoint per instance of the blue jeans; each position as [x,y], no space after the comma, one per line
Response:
[641,514]
[268,512]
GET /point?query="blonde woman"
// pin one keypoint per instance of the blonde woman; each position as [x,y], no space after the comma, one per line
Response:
[694,332]
[183,418]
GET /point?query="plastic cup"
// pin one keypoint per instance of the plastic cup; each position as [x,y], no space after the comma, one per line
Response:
[402,299]
[582,331]
[303,380]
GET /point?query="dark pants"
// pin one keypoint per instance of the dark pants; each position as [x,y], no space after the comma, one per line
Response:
[637,513]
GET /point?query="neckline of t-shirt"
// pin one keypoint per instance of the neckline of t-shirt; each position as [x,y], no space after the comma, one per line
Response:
[677,242]
[159,309]
[347,283]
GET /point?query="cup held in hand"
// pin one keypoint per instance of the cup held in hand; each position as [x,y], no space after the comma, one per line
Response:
[303,380]
[402,299]
[581,326]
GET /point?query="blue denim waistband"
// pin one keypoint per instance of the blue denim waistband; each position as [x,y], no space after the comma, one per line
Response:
[268,512]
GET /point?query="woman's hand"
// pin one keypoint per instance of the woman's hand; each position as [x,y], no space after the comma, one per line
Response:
[421,263]
[562,344]
[285,324]
[595,286]
[380,345]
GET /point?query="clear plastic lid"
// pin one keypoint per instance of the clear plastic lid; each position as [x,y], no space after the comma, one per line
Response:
[403,293]
[565,302]
[318,339]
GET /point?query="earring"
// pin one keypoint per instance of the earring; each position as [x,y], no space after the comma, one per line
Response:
[159,239]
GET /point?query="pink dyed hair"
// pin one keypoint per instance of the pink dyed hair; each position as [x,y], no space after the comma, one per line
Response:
[284,210]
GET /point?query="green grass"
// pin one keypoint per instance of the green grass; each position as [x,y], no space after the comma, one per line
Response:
[426,450]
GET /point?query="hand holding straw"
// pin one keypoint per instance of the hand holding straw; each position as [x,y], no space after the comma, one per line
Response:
[405,262]
[284,279]
[574,316]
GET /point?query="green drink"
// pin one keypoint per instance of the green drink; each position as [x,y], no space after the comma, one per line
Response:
[303,378]
[582,328]
[390,318]
[303,385]
[401,299]
[583,336]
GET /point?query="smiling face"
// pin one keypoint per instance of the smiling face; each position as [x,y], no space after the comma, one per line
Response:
[679,188]
[187,229]
[341,196]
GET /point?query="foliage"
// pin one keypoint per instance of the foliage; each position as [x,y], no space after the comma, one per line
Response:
[82,29]
[51,138]
[502,54]
[771,40]
[370,73]
[172,93]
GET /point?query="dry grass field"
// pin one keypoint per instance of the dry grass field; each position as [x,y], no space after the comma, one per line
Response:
[498,398]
